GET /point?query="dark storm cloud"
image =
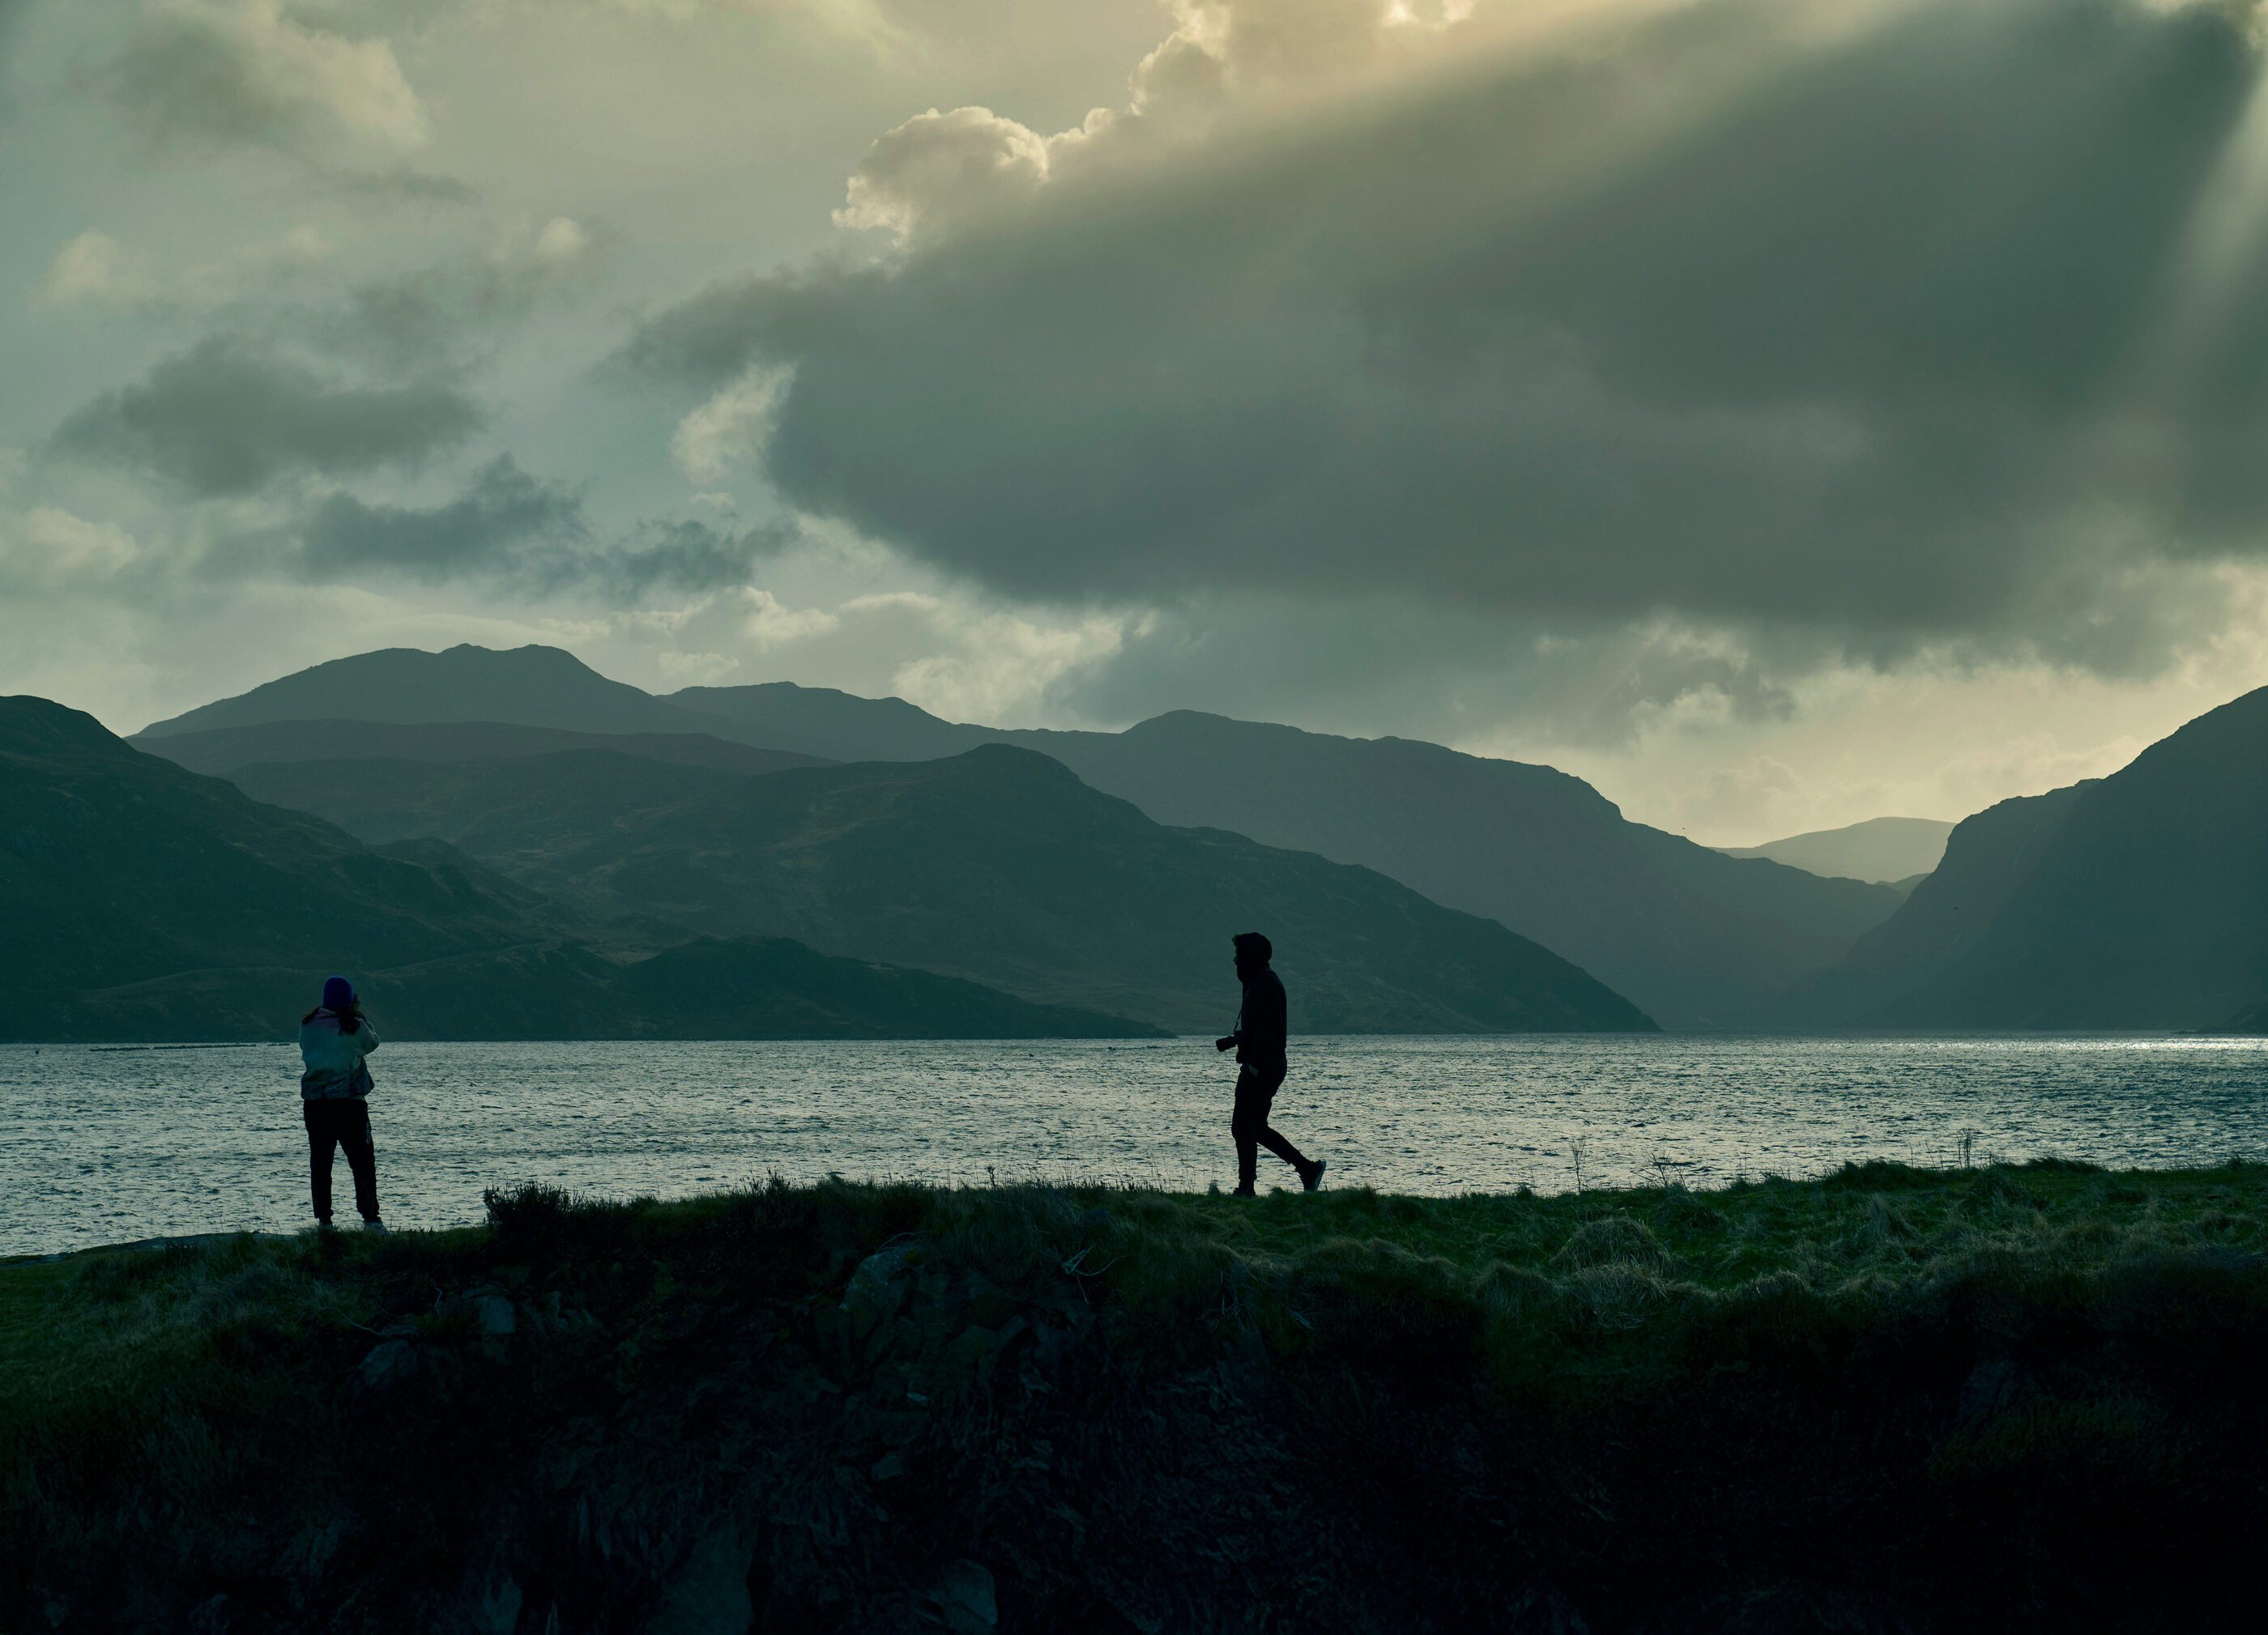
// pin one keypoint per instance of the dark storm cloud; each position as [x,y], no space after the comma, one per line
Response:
[1730,322]
[234,413]
[508,526]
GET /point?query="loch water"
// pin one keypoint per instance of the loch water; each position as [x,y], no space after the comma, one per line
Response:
[118,1144]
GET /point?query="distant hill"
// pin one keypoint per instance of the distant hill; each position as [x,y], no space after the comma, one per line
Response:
[528,686]
[122,866]
[2138,901]
[221,750]
[998,865]
[143,901]
[2253,1019]
[508,812]
[1890,849]
[1694,938]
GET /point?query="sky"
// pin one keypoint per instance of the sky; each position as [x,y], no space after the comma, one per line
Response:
[1780,413]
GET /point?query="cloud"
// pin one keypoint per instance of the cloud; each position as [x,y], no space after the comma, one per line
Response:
[1753,316]
[250,74]
[49,548]
[945,170]
[503,514]
[730,429]
[687,556]
[234,413]
[92,267]
[505,527]
[426,318]
[401,187]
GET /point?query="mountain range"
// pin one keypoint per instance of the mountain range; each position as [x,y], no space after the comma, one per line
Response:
[146,902]
[1691,936]
[997,865]
[625,897]
[1894,851]
[2138,901]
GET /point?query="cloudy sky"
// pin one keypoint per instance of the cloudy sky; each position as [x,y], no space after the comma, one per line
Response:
[1780,412]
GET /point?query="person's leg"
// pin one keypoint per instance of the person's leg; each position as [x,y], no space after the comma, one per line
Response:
[1264,1098]
[320,1143]
[1245,1124]
[361,1157]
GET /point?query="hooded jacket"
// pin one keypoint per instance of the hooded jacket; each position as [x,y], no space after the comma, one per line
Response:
[334,1057]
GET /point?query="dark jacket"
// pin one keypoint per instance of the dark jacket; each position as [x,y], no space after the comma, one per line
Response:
[1260,1025]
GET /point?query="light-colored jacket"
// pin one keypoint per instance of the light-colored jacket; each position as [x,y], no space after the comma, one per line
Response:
[332,1058]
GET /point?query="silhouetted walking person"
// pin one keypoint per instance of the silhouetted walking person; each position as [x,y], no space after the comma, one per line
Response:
[334,1038]
[1259,1041]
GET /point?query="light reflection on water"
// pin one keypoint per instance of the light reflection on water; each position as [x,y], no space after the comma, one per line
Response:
[102,1146]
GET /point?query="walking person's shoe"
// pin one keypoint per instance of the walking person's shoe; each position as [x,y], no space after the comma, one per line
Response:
[373,1223]
[1311,1177]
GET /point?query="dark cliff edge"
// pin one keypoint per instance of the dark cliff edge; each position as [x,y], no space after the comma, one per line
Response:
[2008,1399]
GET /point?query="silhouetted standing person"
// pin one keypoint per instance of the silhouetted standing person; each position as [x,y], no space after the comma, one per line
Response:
[333,1039]
[1259,1041]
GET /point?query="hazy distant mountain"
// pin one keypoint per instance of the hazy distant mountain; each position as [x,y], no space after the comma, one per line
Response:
[1693,937]
[1890,849]
[851,728]
[526,686]
[2253,1019]
[143,901]
[2138,901]
[221,750]
[997,865]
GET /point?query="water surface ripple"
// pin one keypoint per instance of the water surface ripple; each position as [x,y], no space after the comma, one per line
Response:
[109,1145]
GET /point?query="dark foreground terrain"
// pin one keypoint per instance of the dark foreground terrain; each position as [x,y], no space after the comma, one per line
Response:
[2003,1399]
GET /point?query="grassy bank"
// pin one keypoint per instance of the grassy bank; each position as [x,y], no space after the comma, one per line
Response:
[1892,1399]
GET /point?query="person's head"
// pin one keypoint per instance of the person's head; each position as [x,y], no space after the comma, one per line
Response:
[338,994]
[1253,952]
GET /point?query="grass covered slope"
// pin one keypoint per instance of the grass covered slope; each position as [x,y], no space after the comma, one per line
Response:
[2009,1399]
[117,868]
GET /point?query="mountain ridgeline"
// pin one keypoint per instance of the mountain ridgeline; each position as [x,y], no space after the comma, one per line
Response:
[2138,901]
[146,902]
[1691,936]
[1890,849]
[997,865]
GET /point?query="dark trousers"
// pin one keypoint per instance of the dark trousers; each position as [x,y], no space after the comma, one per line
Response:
[1256,1093]
[345,1123]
